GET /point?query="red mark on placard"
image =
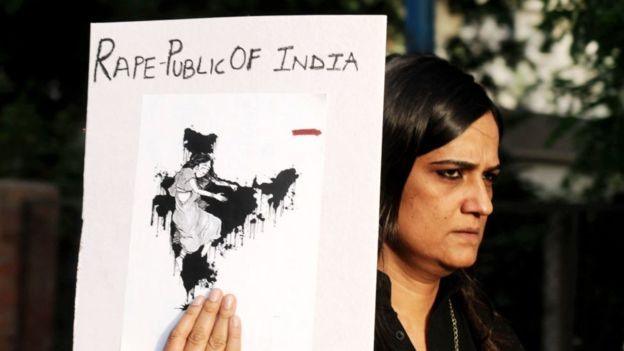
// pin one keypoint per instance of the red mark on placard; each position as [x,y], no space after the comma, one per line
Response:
[314,132]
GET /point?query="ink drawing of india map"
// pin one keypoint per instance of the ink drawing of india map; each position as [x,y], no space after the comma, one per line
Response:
[225,182]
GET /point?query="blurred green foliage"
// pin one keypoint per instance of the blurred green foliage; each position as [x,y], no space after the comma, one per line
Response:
[597,27]
[511,259]
[473,55]
[597,31]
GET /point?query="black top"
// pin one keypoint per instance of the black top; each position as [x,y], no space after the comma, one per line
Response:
[390,334]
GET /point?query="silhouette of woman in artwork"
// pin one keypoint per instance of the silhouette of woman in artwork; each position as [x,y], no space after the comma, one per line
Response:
[194,227]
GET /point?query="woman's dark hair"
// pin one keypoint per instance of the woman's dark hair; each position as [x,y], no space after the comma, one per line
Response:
[428,102]
[197,159]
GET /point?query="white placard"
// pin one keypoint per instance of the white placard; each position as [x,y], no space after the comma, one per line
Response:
[279,116]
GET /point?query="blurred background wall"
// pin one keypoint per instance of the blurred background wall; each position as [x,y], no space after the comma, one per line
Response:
[552,256]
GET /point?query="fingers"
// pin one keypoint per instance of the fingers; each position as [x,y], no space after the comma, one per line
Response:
[177,338]
[234,335]
[201,331]
[219,336]
[207,325]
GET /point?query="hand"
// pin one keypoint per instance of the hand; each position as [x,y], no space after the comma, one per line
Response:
[220,197]
[234,187]
[207,325]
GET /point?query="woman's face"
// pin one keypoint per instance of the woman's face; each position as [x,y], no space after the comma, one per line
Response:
[202,169]
[447,199]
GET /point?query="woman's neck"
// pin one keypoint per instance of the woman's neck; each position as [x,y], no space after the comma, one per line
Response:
[412,295]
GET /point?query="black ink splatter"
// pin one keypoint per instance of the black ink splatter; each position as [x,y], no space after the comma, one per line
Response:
[241,215]
[197,143]
[197,272]
[233,212]
[278,187]
[163,204]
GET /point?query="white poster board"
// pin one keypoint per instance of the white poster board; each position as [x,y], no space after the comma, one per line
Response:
[278,121]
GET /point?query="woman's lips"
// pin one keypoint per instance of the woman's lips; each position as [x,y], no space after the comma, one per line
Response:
[469,235]
[471,231]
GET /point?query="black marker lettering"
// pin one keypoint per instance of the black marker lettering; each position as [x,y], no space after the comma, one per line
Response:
[99,58]
[316,61]
[138,60]
[199,62]
[216,68]
[173,68]
[232,58]
[285,50]
[189,69]
[336,57]
[148,67]
[172,51]
[119,68]
[303,64]
[252,57]
[352,60]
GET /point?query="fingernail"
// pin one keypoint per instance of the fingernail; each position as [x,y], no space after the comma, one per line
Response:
[214,296]
[229,302]
[198,300]
[235,322]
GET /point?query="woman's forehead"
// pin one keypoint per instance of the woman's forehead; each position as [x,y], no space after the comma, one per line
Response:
[486,127]
[477,144]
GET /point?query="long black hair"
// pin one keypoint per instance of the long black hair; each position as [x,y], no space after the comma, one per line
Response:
[428,102]
[199,158]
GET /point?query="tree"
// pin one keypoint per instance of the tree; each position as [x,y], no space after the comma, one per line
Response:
[585,92]
[597,27]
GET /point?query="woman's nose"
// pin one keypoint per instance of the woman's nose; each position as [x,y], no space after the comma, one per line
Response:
[478,200]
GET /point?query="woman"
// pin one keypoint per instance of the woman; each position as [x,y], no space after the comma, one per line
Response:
[439,161]
[440,157]
[194,227]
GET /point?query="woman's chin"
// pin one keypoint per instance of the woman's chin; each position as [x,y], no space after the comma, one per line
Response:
[460,260]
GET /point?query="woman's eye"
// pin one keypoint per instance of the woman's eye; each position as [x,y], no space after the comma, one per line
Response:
[490,177]
[450,173]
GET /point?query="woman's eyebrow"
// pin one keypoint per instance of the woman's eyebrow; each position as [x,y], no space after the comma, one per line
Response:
[464,165]
[496,168]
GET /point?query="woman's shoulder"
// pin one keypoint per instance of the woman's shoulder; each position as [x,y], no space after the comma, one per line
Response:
[184,175]
[182,178]
[187,172]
